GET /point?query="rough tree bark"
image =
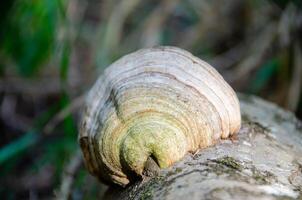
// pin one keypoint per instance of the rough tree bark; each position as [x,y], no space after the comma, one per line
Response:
[263,162]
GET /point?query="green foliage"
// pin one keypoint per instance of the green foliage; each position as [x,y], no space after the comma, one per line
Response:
[263,75]
[17,146]
[56,152]
[284,3]
[64,62]
[30,138]
[30,33]
[69,125]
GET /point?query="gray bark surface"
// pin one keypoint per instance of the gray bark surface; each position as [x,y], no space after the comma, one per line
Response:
[264,161]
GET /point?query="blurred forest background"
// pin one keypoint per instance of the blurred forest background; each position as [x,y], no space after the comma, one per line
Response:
[52,51]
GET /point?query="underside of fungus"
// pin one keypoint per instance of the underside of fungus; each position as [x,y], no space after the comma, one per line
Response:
[159,102]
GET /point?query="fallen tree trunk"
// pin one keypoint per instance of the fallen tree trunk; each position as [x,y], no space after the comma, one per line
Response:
[263,162]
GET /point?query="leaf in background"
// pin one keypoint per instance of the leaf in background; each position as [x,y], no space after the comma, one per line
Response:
[28,139]
[69,125]
[263,75]
[4,10]
[56,151]
[30,33]
[45,116]
[283,3]
[17,146]
[64,62]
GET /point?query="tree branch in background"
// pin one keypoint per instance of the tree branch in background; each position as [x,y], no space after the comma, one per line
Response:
[294,92]
[68,176]
[60,116]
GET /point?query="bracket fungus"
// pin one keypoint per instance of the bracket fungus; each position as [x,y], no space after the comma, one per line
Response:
[158,103]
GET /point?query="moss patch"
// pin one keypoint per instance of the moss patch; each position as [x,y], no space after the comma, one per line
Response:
[229,162]
[262,177]
[146,195]
[148,188]
[231,166]
[223,165]
[176,171]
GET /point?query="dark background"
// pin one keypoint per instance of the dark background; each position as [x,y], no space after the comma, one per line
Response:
[51,52]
